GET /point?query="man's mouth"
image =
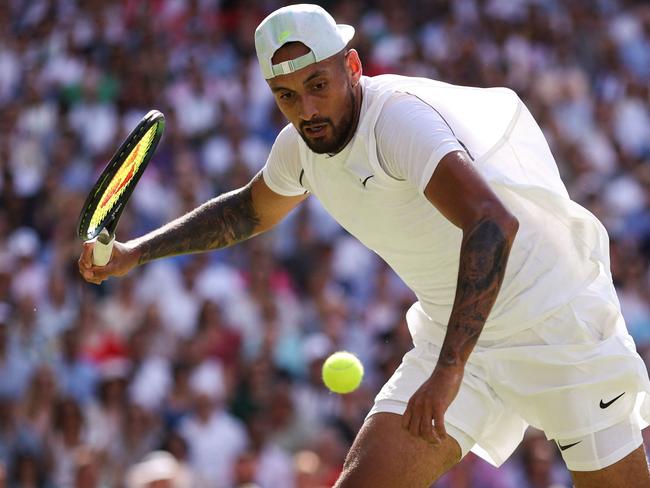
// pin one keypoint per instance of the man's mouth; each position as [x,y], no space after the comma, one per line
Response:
[315,130]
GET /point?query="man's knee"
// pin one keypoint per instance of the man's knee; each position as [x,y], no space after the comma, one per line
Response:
[385,455]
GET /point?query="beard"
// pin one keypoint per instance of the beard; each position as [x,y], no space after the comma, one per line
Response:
[340,133]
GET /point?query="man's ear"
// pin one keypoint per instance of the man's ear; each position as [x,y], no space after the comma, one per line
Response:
[353,66]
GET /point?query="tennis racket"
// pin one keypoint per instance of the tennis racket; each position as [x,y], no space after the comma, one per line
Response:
[107,199]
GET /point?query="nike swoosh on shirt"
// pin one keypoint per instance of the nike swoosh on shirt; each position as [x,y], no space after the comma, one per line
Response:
[607,404]
[366,180]
[564,448]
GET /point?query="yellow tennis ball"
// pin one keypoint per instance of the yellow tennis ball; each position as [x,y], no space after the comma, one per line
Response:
[342,372]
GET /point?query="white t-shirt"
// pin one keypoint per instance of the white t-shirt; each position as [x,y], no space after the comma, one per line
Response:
[214,447]
[374,189]
[404,152]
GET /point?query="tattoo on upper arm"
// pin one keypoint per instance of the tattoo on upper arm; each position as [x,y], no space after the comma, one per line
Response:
[218,223]
[483,259]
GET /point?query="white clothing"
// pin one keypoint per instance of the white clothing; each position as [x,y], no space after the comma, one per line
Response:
[560,246]
[274,468]
[595,451]
[402,151]
[214,447]
[555,376]
[546,355]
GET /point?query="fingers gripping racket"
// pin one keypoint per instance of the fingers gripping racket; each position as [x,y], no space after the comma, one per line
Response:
[107,199]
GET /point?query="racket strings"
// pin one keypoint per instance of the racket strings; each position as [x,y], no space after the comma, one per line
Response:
[122,178]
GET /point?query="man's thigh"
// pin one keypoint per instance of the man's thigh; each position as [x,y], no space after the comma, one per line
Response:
[384,455]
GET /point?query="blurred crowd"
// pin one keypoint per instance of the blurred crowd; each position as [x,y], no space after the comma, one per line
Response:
[205,369]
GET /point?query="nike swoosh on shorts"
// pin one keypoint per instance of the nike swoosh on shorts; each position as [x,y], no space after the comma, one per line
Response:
[607,404]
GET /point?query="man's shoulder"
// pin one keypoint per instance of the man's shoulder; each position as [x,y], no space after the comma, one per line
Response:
[418,85]
[399,109]
[400,95]
[400,83]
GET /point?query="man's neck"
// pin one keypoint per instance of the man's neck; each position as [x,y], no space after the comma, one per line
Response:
[357,100]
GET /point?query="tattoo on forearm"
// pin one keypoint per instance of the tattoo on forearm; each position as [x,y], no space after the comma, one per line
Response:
[483,258]
[218,223]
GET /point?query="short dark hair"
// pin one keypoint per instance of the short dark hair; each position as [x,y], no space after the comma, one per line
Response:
[289,44]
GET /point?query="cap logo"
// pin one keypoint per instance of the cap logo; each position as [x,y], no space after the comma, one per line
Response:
[283,36]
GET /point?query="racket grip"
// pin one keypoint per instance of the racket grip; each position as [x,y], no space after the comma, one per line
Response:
[103,248]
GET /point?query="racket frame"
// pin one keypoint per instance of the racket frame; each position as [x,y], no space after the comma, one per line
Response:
[109,222]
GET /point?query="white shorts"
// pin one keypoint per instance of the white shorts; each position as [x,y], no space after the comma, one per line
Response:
[574,374]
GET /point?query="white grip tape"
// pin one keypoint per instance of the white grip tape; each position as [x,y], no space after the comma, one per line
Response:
[103,248]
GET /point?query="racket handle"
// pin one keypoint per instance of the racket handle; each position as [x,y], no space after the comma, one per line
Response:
[103,248]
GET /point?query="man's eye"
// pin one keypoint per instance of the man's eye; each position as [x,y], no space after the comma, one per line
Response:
[320,85]
[285,96]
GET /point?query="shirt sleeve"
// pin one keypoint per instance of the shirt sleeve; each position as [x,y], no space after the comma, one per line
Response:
[282,170]
[412,138]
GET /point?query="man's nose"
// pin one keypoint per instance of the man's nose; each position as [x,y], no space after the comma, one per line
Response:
[308,108]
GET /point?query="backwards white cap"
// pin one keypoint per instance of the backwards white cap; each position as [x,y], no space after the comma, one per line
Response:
[308,24]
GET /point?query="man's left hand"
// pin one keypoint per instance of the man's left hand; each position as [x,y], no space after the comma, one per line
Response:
[430,402]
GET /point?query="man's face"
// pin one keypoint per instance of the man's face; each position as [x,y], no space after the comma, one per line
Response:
[318,100]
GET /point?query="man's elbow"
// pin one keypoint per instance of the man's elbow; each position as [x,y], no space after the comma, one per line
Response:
[508,223]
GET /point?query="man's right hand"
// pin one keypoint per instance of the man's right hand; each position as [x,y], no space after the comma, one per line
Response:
[123,259]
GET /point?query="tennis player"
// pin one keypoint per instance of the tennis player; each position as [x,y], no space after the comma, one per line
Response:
[517,322]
